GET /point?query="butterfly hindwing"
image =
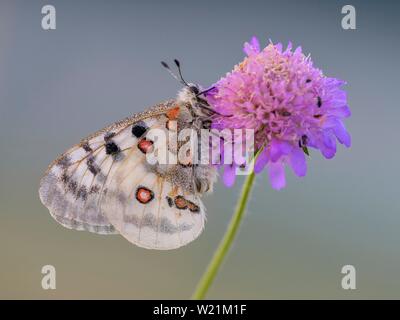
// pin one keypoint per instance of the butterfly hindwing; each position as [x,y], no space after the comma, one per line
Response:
[149,210]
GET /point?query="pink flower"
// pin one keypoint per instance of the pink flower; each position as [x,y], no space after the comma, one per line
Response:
[290,105]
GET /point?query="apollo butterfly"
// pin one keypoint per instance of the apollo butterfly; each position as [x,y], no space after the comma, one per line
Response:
[105,185]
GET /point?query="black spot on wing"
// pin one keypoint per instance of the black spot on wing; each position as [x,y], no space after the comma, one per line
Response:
[72,186]
[94,189]
[82,193]
[112,148]
[170,201]
[64,178]
[92,166]
[64,161]
[139,129]
[108,136]
[86,147]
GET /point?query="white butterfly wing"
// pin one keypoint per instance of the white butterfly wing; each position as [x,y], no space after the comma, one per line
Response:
[150,211]
[94,186]
[71,191]
[73,184]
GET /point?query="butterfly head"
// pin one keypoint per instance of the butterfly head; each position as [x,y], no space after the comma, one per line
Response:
[189,94]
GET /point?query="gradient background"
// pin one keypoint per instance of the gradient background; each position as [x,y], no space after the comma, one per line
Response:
[102,64]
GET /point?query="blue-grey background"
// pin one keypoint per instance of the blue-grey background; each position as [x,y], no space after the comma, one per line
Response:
[102,64]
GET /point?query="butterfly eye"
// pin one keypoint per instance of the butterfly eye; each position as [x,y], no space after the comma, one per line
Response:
[194,89]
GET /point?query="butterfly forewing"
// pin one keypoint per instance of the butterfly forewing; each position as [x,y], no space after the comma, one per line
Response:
[103,185]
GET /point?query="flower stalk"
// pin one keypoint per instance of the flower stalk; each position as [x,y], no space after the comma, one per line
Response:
[226,243]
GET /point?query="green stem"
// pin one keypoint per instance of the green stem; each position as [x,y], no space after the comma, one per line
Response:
[226,242]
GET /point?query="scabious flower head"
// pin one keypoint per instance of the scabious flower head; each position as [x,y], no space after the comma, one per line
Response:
[290,104]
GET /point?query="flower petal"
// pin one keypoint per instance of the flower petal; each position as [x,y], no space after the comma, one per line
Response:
[298,162]
[229,175]
[252,48]
[261,161]
[289,47]
[341,134]
[255,44]
[327,146]
[279,148]
[277,175]
[343,112]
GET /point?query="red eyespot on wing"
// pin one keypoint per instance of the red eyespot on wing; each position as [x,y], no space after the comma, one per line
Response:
[180,202]
[145,145]
[144,195]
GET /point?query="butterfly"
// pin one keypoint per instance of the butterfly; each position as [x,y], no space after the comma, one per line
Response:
[105,185]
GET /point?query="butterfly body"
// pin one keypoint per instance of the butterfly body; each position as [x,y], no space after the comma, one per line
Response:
[105,184]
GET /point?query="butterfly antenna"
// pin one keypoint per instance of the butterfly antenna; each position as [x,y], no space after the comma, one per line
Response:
[166,66]
[178,64]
